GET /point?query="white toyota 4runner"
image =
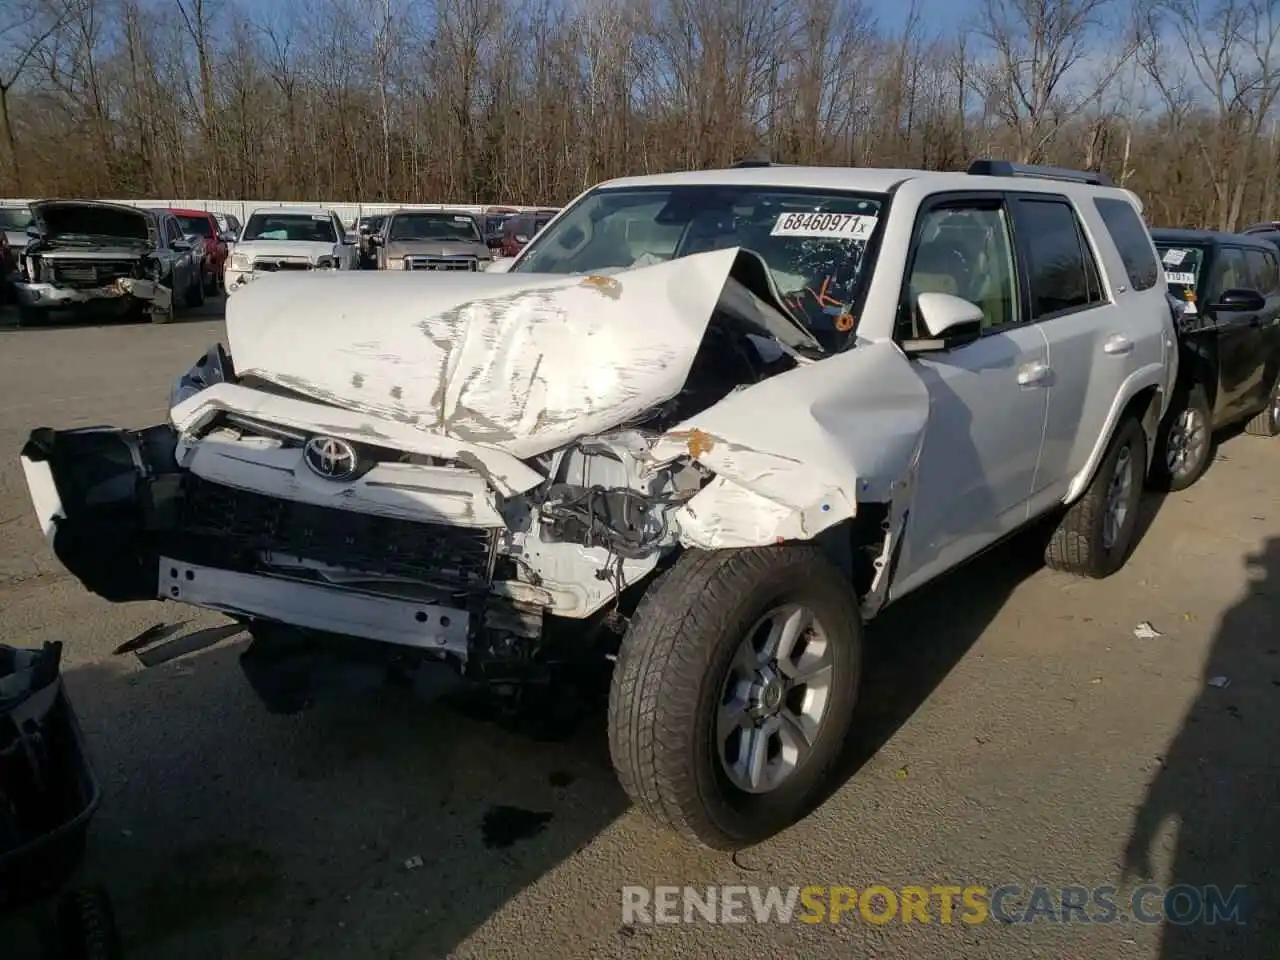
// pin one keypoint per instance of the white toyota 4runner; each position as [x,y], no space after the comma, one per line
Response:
[706,425]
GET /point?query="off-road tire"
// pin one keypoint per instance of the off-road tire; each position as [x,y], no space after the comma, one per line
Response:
[1192,398]
[28,317]
[86,926]
[1267,422]
[1076,545]
[670,672]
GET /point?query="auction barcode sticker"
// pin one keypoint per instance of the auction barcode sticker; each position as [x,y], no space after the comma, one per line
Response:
[839,226]
[1186,279]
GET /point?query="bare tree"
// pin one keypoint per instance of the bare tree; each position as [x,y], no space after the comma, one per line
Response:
[27,26]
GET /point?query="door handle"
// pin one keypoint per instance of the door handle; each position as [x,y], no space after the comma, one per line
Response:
[1033,374]
[1117,345]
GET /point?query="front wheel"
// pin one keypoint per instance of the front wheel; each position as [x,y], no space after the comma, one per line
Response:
[1267,423]
[734,690]
[1094,536]
[1184,442]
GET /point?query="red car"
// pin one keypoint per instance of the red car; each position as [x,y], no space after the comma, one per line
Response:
[520,229]
[202,224]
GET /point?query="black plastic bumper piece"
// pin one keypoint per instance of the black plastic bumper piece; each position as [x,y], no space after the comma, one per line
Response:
[120,491]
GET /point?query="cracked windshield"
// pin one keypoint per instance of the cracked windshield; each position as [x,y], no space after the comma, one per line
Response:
[812,241]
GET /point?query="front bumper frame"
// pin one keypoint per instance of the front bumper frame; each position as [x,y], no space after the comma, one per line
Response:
[117,535]
[48,296]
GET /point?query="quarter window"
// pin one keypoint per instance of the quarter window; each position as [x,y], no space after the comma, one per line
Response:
[1132,241]
[1062,272]
[967,252]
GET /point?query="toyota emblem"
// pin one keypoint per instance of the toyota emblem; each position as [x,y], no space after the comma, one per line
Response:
[331,458]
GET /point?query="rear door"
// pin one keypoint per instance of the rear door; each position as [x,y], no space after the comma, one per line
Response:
[1091,349]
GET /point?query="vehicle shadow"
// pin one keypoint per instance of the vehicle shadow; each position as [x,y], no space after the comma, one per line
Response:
[375,828]
[1220,781]
[915,644]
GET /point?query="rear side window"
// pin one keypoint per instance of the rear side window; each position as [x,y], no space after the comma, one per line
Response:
[1061,270]
[1131,240]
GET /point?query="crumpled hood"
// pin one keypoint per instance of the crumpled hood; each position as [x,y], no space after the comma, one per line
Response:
[522,362]
[266,249]
[436,248]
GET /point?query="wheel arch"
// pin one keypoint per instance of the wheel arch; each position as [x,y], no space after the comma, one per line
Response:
[1144,396]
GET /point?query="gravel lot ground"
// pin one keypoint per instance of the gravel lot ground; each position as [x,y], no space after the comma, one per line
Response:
[1013,731]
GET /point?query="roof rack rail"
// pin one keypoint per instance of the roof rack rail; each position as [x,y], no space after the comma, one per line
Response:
[752,162]
[1006,168]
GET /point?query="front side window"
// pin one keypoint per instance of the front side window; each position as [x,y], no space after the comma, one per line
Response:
[298,227]
[812,241]
[197,225]
[1062,272]
[967,252]
[1230,271]
[433,226]
[1132,241]
[1261,272]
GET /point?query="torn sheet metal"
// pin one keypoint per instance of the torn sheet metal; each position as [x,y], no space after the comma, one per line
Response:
[508,475]
[813,442]
[525,363]
[51,295]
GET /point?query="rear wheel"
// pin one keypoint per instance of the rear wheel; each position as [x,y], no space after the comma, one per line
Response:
[86,926]
[1094,536]
[1184,441]
[1267,423]
[734,690]
[195,292]
[28,317]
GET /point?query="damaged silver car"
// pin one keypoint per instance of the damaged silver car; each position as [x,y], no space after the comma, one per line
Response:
[704,428]
[112,257]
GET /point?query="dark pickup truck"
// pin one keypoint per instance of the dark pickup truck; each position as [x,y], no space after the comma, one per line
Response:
[1228,288]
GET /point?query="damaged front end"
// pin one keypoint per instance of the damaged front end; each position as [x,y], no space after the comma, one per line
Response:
[92,254]
[491,486]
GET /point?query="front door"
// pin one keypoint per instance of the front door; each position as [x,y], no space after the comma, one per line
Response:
[988,399]
[1240,339]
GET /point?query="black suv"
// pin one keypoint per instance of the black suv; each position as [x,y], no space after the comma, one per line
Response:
[1228,287]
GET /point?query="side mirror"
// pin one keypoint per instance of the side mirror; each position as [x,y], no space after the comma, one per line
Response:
[375,239]
[227,236]
[950,322]
[181,244]
[1240,300]
[350,239]
[500,266]
[33,230]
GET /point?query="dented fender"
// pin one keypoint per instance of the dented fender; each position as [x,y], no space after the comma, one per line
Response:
[796,454]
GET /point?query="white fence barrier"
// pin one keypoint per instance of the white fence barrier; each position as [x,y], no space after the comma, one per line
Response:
[349,212]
